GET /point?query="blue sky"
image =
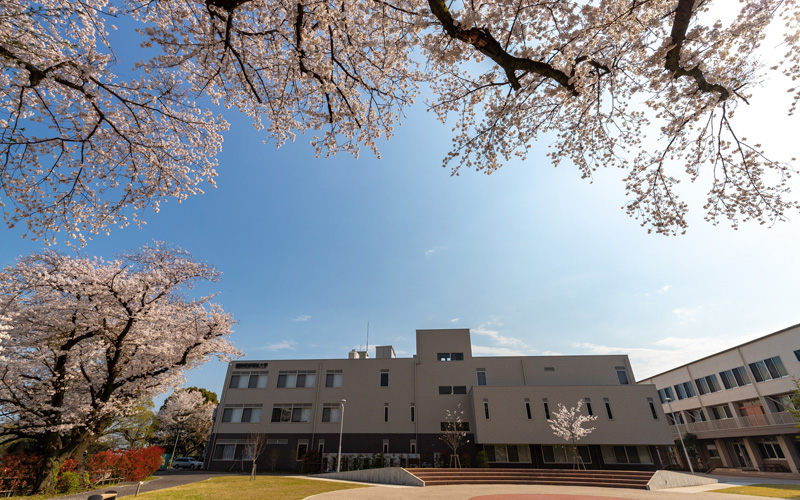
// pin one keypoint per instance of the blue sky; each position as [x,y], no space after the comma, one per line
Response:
[532,258]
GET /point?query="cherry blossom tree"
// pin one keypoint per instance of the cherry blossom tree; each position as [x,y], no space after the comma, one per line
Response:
[89,339]
[455,433]
[567,423]
[134,429]
[648,86]
[185,420]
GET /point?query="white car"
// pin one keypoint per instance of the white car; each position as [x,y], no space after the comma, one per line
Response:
[187,463]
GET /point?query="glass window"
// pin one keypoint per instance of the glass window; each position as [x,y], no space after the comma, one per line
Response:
[546,410]
[608,408]
[486,409]
[768,369]
[443,356]
[384,379]
[481,378]
[457,356]
[652,408]
[622,375]
[459,389]
[445,389]
[234,382]
[528,409]
[333,379]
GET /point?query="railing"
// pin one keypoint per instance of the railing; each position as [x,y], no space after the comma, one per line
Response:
[765,420]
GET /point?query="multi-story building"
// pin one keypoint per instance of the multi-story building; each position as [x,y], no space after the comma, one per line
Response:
[736,404]
[398,407]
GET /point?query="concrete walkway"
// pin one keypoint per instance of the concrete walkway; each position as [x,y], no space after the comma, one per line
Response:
[544,492]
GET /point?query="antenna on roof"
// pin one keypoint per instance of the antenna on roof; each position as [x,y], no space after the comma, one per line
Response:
[367,336]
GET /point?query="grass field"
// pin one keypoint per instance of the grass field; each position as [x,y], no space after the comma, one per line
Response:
[766,490]
[241,488]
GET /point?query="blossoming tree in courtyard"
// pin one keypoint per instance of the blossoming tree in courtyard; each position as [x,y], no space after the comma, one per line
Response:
[648,86]
[89,339]
[185,420]
[567,423]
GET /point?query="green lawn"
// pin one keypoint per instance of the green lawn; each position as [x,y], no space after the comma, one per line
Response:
[766,490]
[241,488]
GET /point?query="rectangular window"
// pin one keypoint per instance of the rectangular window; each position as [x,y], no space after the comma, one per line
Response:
[736,377]
[384,379]
[546,409]
[768,369]
[413,416]
[455,389]
[459,389]
[385,446]
[248,380]
[296,379]
[782,402]
[665,393]
[712,451]
[331,412]
[549,368]
[608,408]
[241,414]
[333,378]
[706,385]
[721,412]
[563,455]
[797,354]
[588,406]
[622,375]
[289,412]
[486,409]
[770,449]
[626,455]
[652,408]
[234,382]
[443,356]
[445,389]
[413,447]
[450,356]
[508,453]
[481,377]
[386,412]
[449,426]
[528,409]
[696,415]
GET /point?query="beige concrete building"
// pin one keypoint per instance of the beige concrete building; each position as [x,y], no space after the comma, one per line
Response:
[397,408]
[736,403]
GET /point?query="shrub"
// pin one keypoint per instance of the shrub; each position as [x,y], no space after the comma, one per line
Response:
[18,468]
[68,482]
[137,464]
[482,459]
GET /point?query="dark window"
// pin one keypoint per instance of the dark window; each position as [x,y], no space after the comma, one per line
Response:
[528,409]
[486,409]
[622,375]
[443,356]
[652,408]
[608,409]
[385,413]
[227,413]
[234,382]
[253,382]
[481,378]
[459,389]
[384,379]
[412,414]
[329,380]
[276,415]
[797,354]
[458,356]
[445,389]
[282,380]
[246,414]
[546,411]
[449,426]
[589,407]
[326,415]
[385,448]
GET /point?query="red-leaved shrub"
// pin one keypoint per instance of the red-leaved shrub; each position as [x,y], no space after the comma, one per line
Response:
[130,465]
[18,469]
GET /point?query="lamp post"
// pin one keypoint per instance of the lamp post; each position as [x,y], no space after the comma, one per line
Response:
[680,435]
[341,427]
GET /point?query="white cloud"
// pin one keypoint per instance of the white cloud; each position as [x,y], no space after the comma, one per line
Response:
[667,353]
[432,251]
[454,320]
[665,289]
[684,315]
[500,340]
[279,346]
[480,350]
[302,317]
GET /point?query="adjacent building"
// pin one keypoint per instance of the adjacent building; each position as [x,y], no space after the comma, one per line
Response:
[735,404]
[396,408]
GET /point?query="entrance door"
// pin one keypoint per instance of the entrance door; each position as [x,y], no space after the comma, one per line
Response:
[740,457]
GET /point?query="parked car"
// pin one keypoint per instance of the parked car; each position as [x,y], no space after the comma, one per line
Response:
[187,463]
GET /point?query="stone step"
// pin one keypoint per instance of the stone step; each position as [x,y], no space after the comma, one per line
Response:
[564,477]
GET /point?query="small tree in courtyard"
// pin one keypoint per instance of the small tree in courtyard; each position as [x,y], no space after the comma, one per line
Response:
[255,447]
[455,433]
[567,423]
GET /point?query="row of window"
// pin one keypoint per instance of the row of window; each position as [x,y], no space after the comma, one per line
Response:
[558,454]
[778,403]
[766,369]
[286,379]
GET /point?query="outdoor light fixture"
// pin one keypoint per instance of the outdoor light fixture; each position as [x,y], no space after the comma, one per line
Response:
[341,427]
[680,436]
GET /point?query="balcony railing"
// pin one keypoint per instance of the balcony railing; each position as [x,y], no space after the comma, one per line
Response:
[765,420]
